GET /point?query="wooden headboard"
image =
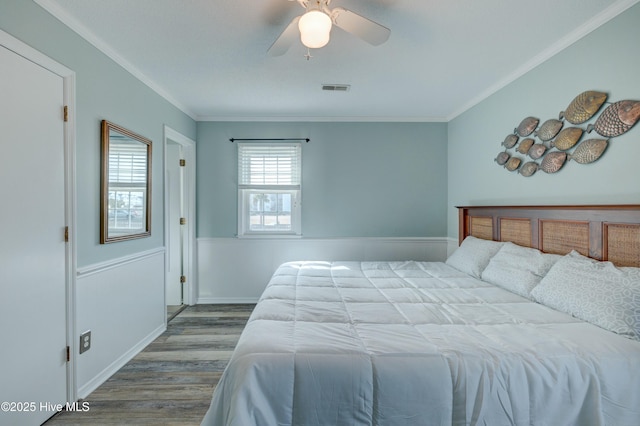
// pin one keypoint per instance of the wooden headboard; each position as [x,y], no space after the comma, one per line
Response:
[602,232]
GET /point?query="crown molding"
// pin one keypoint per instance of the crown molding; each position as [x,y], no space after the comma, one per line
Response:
[350,119]
[597,21]
[609,13]
[84,32]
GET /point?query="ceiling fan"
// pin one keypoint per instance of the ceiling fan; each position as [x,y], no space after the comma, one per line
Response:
[314,27]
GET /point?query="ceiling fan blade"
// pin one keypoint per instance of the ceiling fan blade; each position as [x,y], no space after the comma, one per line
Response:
[369,31]
[277,12]
[285,40]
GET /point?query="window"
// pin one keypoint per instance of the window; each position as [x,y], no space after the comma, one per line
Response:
[127,184]
[269,189]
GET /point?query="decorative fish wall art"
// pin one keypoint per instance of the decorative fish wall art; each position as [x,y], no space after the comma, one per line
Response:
[549,129]
[617,119]
[527,126]
[529,168]
[588,151]
[553,161]
[567,138]
[524,146]
[537,150]
[583,107]
[558,145]
[513,164]
[502,158]
[510,141]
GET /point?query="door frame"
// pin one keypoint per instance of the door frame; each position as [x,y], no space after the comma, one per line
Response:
[189,193]
[69,97]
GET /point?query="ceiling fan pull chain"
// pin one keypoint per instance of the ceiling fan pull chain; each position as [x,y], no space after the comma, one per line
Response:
[308,55]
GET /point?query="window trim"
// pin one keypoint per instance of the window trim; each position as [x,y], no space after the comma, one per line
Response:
[245,190]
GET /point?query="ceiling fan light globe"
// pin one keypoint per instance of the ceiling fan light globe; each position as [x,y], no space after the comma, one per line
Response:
[315,28]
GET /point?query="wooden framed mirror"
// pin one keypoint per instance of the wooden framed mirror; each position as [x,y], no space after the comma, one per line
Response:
[125,201]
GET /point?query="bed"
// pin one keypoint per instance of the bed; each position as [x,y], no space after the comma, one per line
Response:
[462,342]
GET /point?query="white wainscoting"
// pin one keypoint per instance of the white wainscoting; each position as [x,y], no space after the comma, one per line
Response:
[236,270]
[122,302]
[452,245]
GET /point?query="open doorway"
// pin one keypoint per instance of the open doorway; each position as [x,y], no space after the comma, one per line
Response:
[179,196]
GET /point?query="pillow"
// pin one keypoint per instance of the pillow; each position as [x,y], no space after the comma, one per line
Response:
[597,292]
[518,269]
[473,255]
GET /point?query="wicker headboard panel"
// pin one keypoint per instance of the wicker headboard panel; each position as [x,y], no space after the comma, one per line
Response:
[606,232]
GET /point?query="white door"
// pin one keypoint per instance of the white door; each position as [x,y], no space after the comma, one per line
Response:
[32,248]
[175,203]
[180,203]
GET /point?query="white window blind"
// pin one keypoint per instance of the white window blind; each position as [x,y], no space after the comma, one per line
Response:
[127,186]
[272,165]
[269,188]
[128,164]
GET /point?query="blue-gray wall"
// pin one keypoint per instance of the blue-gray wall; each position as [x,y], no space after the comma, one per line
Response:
[359,179]
[606,60]
[104,90]
[123,303]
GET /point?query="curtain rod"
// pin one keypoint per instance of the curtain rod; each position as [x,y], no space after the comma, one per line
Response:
[274,139]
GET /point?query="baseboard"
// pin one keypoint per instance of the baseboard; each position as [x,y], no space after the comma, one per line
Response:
[105,374]
[226,300]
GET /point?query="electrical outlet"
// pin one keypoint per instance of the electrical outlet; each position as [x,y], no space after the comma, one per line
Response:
[85,341]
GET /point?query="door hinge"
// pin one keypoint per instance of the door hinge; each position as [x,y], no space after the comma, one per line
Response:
[65,113]
[183,279]
[183,221]
[68,354]
[183,162]
[66,234]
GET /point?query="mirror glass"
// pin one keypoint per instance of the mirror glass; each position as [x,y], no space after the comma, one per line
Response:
[126,185]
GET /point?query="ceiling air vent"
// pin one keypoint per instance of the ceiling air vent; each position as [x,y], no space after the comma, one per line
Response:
[336,87]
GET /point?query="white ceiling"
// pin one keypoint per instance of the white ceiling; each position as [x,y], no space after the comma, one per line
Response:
[208,57]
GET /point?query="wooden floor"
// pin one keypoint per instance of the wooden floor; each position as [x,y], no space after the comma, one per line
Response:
[172,380]
[173,310]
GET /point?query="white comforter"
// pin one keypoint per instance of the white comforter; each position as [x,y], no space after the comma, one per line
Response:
[419,343]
